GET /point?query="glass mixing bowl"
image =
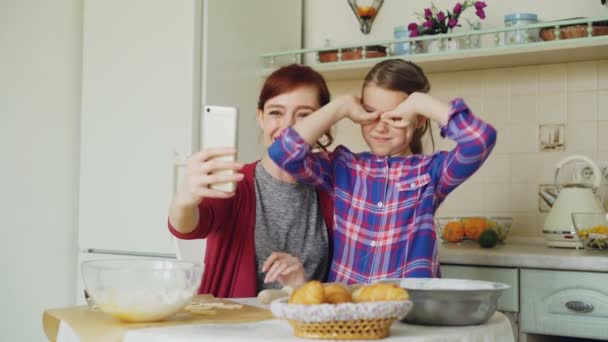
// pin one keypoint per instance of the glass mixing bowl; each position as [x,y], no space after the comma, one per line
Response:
[592,229]
[144,290]
[502,225]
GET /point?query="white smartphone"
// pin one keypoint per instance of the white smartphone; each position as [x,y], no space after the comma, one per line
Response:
[220,130]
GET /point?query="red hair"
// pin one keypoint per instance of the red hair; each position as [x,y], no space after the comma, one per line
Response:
[293,76]
[290,77]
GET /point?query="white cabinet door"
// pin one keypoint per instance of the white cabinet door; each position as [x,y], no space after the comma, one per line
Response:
[139,96]
[148,66]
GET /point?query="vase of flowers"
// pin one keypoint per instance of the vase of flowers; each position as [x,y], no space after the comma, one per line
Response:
[435,21]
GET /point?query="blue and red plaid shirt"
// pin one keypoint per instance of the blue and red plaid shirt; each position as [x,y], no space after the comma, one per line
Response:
[385,206]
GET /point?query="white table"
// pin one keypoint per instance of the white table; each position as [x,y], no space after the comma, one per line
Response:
[497,329]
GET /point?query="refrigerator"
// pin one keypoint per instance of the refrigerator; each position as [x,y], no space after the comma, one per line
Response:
[149,66]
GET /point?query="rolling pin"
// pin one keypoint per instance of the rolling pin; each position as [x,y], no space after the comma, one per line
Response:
[268,295]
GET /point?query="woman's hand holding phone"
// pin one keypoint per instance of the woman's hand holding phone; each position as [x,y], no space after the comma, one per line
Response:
[202,175]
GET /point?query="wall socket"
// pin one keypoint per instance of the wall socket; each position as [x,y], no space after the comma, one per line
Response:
[584,173]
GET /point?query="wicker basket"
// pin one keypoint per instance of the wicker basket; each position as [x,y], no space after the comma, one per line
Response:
[344,330]
[344,321]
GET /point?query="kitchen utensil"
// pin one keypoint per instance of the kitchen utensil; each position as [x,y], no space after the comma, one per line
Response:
[143,290]
[450,301]
[571,198]
[268,295]
[592,229]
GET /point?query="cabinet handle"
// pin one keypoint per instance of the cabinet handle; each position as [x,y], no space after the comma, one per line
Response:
[578,306]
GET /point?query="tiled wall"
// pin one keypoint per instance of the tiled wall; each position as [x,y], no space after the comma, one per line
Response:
[517,101]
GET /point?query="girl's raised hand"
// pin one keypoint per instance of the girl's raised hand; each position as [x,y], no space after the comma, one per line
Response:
[416,109]
[405,114]
[354,110]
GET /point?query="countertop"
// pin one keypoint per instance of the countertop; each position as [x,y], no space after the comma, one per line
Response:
[515,253]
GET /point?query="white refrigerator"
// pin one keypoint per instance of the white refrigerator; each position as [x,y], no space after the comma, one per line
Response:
[148,68]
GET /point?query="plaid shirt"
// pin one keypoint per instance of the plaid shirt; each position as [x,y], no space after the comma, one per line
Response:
[385,206]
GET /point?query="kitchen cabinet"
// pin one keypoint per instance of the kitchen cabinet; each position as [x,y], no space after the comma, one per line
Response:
[564,303]
[547,302]
[148,67]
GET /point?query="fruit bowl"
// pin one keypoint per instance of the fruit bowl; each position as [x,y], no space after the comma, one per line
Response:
[592,229]
[144,290]
[461,228]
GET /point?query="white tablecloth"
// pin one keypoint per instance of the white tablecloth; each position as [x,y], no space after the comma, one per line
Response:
[497,329]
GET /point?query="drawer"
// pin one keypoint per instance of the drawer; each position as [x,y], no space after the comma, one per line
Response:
[509,300]
[564,303]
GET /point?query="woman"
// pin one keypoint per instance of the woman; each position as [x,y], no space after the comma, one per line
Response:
[271,229]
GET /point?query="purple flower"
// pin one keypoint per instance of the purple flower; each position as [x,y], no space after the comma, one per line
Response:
[435,21]
[458,8]
[427,13]
[440,16]
[479,5]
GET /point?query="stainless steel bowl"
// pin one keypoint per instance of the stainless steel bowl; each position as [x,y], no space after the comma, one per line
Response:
[450,301]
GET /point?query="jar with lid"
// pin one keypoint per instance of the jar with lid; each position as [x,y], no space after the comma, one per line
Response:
[403,48]
[521,36]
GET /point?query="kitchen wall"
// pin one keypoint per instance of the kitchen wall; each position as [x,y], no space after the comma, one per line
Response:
[517,101]
[335,21]
[40,45]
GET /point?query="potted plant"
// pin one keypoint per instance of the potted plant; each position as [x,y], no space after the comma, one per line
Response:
[435,21]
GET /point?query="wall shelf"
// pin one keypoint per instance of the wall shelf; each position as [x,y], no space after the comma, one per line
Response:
[491,54]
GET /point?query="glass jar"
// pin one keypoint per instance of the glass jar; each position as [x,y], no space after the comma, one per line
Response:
[521,36]
[403,48]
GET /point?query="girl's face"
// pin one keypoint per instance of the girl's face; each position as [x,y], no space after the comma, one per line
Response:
[382,138]
[284,110]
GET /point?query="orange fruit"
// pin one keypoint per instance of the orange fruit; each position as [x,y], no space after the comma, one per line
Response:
[473,227]
[453,231]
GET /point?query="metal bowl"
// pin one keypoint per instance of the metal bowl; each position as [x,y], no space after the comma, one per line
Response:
[450,301]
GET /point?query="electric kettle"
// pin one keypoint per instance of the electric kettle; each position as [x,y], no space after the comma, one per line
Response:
[571,198]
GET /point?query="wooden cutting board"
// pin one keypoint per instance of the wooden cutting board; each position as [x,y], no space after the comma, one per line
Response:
[92,325]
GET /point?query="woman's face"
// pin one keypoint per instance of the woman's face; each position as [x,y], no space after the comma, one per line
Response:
[382,138]
[284,110]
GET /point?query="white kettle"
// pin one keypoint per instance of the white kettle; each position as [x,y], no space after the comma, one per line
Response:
[571,198]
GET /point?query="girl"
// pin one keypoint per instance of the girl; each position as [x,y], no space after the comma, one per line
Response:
[271,231]
[385,200]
